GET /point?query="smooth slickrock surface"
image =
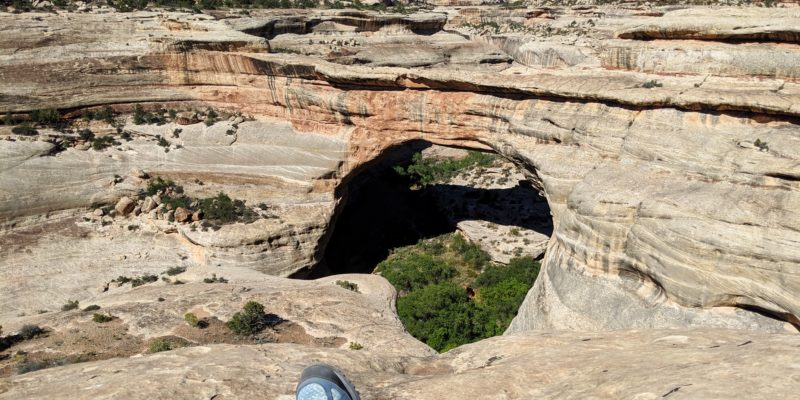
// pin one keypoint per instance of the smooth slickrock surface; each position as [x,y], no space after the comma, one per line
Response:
[639,125]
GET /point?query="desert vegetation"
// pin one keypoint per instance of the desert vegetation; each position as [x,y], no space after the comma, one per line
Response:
[251,320]
[450,293]
[348,285]
[215,211]
[428,171]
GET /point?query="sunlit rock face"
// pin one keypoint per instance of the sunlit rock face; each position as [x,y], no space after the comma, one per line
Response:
[666,144]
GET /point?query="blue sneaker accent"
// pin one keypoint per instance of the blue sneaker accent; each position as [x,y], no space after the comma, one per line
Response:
[324,382]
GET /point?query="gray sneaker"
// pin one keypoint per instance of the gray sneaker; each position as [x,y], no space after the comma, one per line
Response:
[325,382]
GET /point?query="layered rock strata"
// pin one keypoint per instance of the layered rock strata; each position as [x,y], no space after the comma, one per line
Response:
[666,213]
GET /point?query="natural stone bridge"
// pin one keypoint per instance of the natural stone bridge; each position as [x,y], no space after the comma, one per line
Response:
[666,214]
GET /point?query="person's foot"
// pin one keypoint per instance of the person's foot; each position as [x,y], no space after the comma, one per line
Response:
[324,382]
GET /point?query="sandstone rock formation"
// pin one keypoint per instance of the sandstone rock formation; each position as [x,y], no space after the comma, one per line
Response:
[702,363]
[665,141]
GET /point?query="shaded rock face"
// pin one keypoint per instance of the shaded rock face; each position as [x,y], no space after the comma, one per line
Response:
[381,211]
[660,198]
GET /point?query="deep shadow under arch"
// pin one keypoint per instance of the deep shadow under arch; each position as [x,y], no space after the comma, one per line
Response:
[380,212]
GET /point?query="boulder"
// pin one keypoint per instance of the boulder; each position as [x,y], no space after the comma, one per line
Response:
[124,206]
[148,204]
[197,215]
[187,118]
[182,214]
[138,173]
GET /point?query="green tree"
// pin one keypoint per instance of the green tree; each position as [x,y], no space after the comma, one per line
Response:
[440,315]
[409,271]
[499,304]
[524,269]
[252,319]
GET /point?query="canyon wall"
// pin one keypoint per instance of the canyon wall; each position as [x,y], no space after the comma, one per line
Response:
[666,210]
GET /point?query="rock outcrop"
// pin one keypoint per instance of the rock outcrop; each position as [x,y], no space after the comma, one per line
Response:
[671,167]
[653,180]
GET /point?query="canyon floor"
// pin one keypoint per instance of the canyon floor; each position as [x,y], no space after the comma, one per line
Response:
[160,163]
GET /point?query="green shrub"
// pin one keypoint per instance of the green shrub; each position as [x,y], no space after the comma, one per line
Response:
[172,271]
[121,280]
[222,208]
[651,84]
[30,366]
[86,134]
[102,318]
[154,186]
[211,117]
[100,143]
[191,319]
[28,331]
[158,345]
[440,315]
[142,117]
[348,285]
[429,171]
[472,254]
[251,320]
[107,114]
[162,142]
[215,279]
[499,304]
[24,130]
[144,279]
[356,346]
[8,119]
[523,269]
[433,304]
[128,5]
[70,305]
[411,270]
[93,307]
[218,208]
[48,116]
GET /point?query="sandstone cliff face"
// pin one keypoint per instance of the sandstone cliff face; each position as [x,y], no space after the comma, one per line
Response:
[665,211]
[655,188]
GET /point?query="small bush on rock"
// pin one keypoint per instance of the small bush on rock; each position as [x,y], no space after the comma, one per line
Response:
[47,116]
[215,279]
[356,346]
[159,345]
[175,271]
[144,279]
[30,366]
[348,285]
[28,332]
[652,84]
[24,130]
[70,305]
[251,320]
[102,318]
[191,319]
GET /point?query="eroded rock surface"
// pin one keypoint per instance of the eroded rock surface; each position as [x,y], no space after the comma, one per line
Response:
[670,165]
